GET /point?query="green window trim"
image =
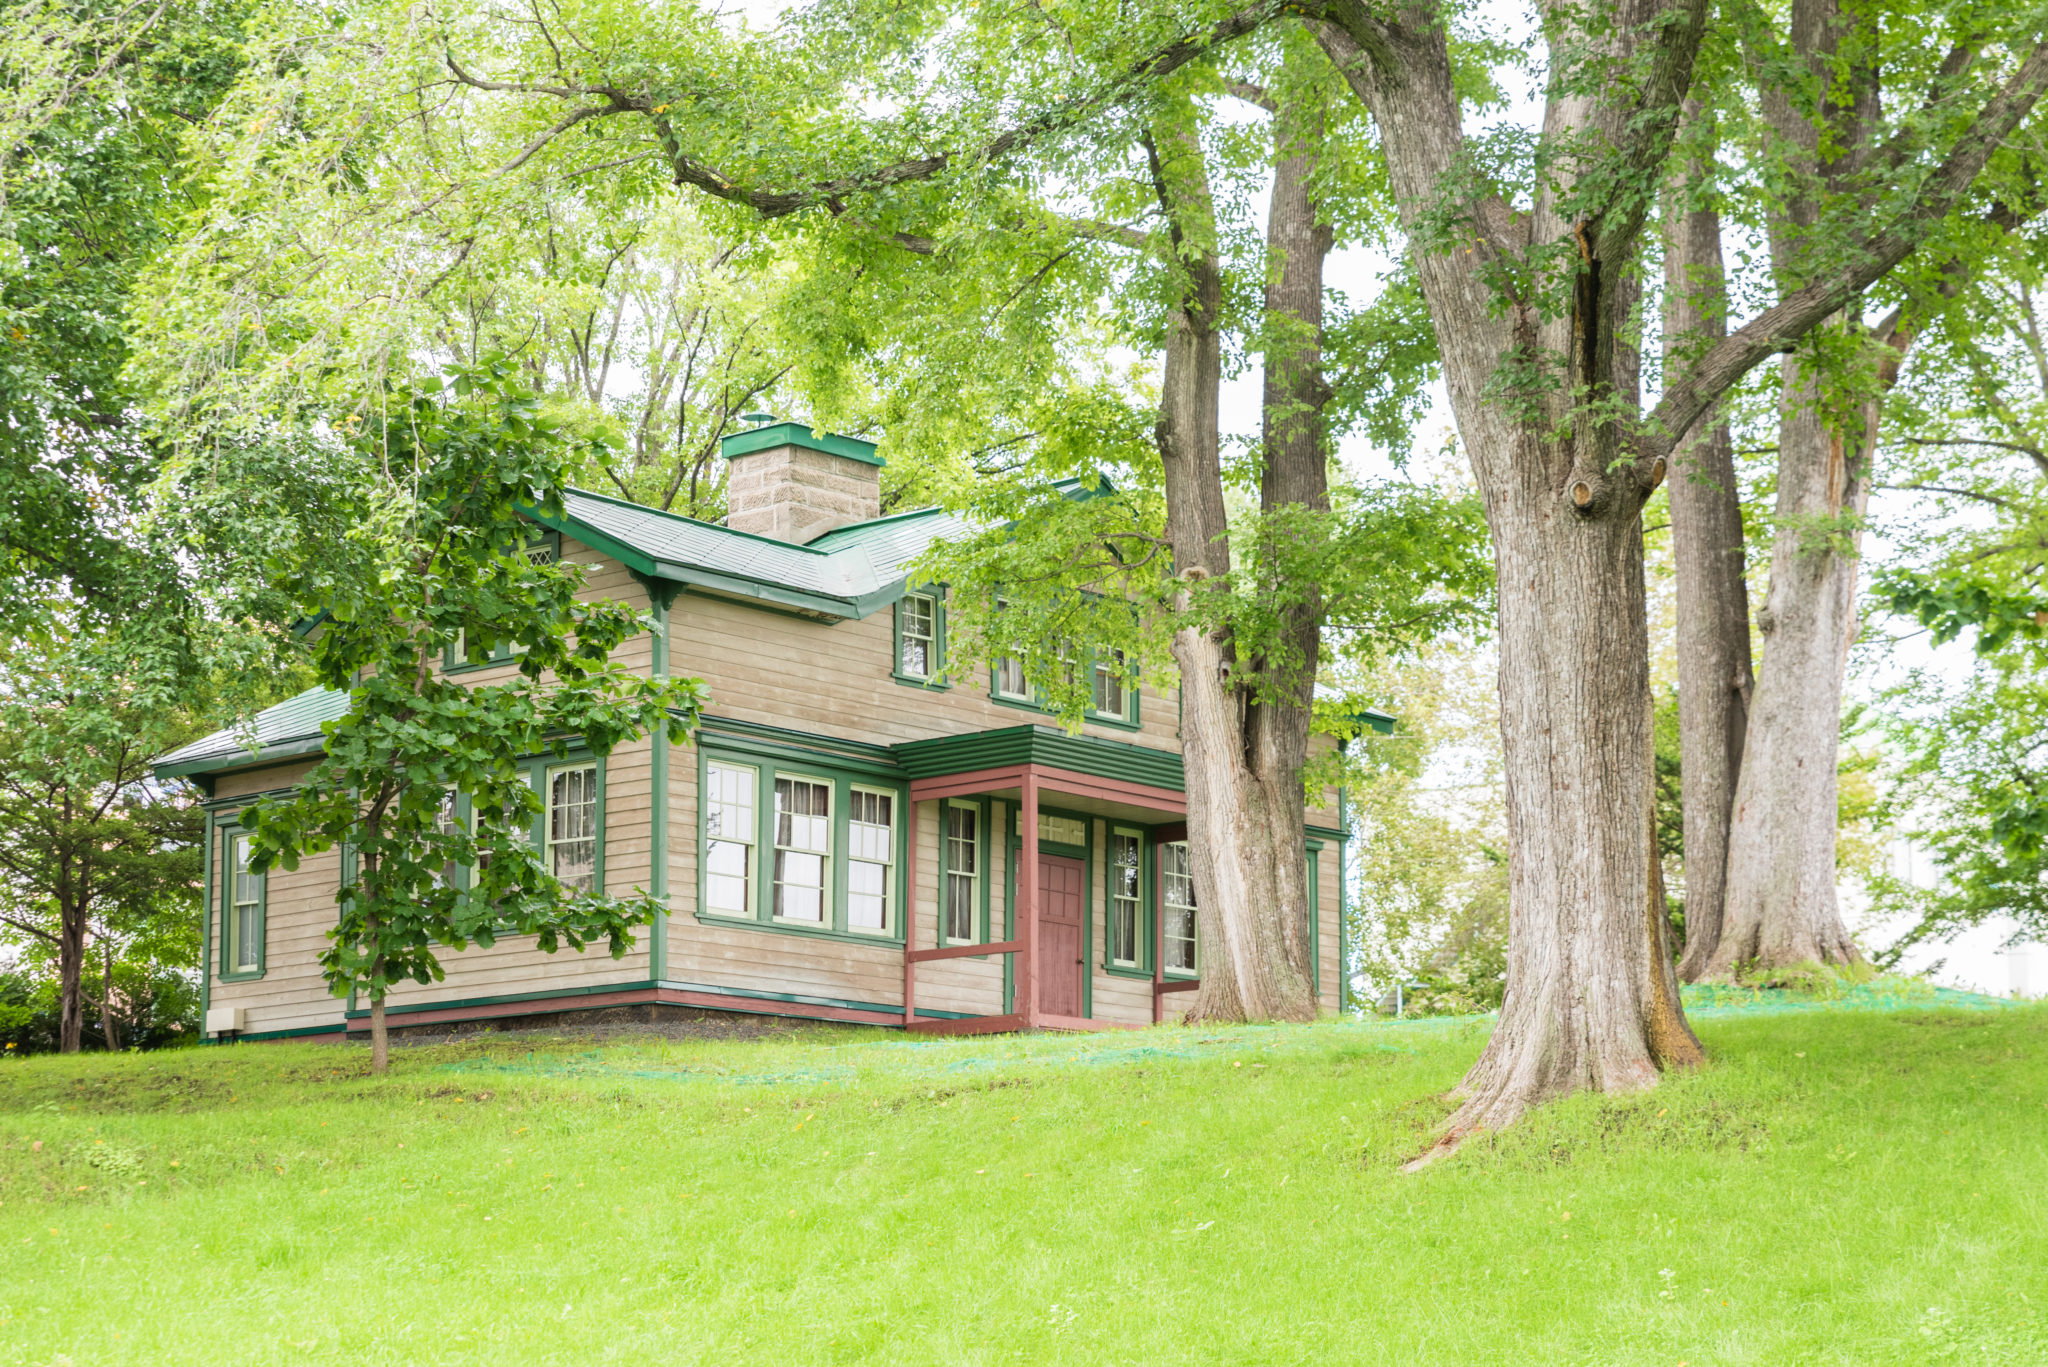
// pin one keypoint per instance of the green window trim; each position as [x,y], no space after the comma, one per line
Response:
[1131,718]
[535,769]
[1141,965]
[935,678]
[544,549]
[1171,970]
[760,915]
[228,971]
[984,847]
[1315,922]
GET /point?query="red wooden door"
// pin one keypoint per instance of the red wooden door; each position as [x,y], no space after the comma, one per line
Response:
[1059,936]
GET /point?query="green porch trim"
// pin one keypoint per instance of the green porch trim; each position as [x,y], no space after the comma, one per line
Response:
[1041,745]
[806,747]
[302,1032]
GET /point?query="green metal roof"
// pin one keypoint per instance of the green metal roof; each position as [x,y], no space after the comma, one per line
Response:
[846,573]
[288,730]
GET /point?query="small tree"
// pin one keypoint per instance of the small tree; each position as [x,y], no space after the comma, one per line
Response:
[447,474]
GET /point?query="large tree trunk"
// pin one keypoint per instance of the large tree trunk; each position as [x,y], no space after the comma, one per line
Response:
[1714,670]
[1245,838]
[1591,999]
[1781,906]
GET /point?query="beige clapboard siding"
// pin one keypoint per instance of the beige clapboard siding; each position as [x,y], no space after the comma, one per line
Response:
[299,910]
[789,671]
[251,781]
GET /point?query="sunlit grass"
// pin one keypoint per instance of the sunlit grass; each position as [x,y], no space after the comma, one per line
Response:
[1840,1186]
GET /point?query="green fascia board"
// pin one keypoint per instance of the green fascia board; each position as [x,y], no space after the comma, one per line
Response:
[244,759]
[797,434]
[1370,718]
[1041,745]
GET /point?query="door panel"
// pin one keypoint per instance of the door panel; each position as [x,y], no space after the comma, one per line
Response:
[1059,935]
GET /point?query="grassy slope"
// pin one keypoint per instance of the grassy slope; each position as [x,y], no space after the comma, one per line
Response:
[1839,1187]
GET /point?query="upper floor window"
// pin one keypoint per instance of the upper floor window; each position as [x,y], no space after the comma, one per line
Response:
[545,548]
[1177,900]
[1106,692]
[1010,682]
[917,636]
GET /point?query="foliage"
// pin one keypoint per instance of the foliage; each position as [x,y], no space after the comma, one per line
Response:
[447,474]
[294,1172]
[1428,878]
[156,1005]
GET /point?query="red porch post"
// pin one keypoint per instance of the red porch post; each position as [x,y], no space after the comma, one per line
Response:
[909,913]
[1027,897]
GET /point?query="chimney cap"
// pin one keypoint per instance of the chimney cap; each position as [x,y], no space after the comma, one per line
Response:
[796,434]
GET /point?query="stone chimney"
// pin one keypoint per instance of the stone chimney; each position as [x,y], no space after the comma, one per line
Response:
[794,484]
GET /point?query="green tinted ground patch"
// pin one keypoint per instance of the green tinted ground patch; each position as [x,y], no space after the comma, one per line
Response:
[1853,1183]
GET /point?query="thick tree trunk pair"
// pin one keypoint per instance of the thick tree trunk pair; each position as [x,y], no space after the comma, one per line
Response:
[1245,722]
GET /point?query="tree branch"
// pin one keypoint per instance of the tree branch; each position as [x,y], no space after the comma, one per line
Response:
[1779,328]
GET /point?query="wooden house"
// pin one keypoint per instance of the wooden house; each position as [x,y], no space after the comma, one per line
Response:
[856,836]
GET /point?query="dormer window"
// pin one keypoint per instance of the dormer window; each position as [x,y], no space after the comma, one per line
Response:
[917,636]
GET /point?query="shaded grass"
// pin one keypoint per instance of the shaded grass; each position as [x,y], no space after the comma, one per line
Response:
[1866,1187]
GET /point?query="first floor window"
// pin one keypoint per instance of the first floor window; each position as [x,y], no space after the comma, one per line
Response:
[1124,889]
[870,855]
[1106,694]
[803,848]
[917,654]
[963,871]
[245,910]
[729,832]
[1177,896]
[572,826]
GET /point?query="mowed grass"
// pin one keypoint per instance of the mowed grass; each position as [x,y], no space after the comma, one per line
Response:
[1852,1187]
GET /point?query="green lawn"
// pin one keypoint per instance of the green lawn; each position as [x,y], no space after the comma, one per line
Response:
[1840,1186]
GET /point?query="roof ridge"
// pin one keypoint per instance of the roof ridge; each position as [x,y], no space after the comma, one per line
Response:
[809,547]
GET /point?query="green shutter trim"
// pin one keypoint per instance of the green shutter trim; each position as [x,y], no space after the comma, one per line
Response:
[660,598]
[205,923]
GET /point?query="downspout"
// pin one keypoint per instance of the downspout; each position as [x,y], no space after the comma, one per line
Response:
[205,919]
[660,595]
[1343,904]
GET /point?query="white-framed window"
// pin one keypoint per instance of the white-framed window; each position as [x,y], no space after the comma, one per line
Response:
[917,643]
[1126,888]
[447,821]
[245,909]
[730,829]
[1010,681]
[571,828]
[1106,686]
[870,859]
[963,871]
[1177,901]
[803,849]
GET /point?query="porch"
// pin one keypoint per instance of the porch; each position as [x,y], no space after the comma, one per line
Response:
[1047,947]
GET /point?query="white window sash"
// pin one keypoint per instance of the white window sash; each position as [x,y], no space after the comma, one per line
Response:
[792,891]
[871,872]
[730,790]
[961,886]
[570,830]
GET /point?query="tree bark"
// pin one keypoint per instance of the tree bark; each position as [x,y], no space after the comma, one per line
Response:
[1591,1000]
[108,1025]
[71,984]
[1714,668]
[1243,775]
[380,1038]
[1781,904]
[1781,908]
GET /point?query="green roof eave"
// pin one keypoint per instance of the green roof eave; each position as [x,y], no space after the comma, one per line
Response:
[243,759]
[1032,744]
